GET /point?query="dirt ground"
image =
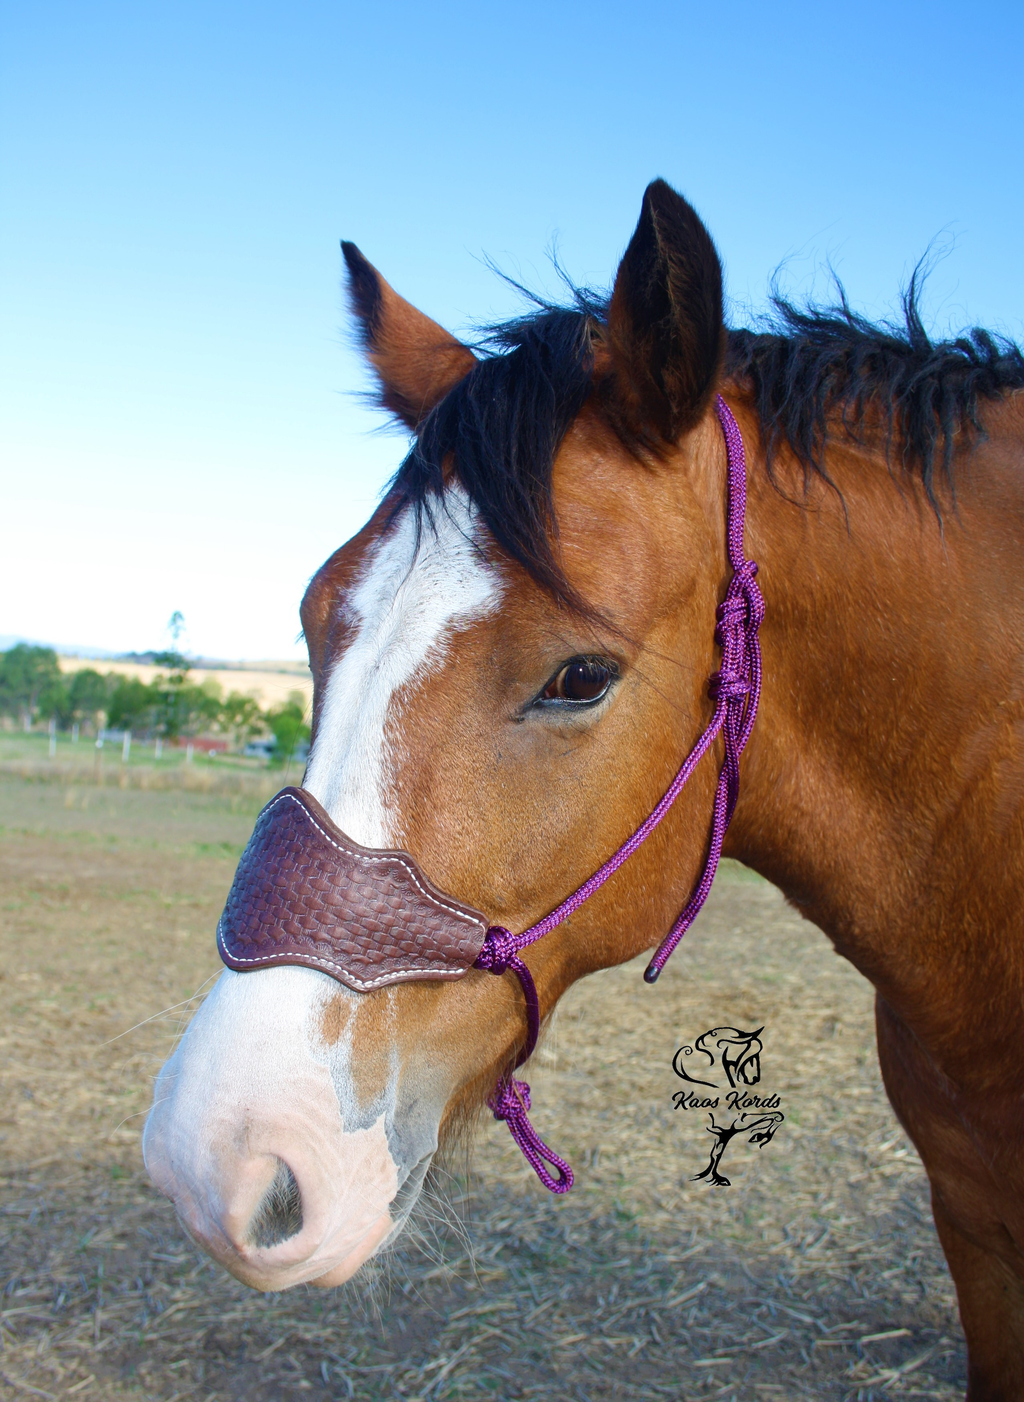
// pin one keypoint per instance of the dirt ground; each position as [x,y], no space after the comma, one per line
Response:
[816,1274]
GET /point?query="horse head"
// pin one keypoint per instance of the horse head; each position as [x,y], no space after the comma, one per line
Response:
[739,1052]
[510,660]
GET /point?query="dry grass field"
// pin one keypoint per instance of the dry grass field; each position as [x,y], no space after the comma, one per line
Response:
[817,1274]
[73,765]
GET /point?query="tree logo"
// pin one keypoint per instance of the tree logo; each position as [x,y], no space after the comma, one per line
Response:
[733,1062]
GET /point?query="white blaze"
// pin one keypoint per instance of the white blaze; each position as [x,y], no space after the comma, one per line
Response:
[253,1081]
[403,610]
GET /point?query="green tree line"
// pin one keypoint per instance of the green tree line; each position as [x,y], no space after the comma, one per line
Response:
[32,688]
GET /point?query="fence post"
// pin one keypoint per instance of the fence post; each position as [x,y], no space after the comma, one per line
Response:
[53,737]
[188,752]
[126,747]
[74,733]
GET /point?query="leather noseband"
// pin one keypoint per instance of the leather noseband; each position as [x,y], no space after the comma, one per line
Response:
[304,893]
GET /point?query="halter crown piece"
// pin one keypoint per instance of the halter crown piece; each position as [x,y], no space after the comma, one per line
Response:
[306,894]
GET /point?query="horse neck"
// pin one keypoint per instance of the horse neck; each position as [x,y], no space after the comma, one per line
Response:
[883,787]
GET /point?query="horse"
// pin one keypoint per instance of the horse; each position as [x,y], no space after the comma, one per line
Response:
[510,661]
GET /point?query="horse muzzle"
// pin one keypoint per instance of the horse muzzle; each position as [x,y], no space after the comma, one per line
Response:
[279,1160]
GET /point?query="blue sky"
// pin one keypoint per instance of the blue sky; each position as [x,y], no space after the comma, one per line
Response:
[180,426]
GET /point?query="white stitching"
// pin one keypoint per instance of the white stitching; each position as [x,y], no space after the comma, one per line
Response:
[330,967]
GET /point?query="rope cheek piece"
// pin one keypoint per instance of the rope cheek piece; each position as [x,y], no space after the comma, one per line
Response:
[735,689]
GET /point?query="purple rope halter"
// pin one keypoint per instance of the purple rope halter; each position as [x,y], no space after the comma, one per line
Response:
[735,689]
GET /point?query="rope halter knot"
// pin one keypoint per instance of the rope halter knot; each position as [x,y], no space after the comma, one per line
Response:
[730,685]
[731,618]
[738,617]
[510,1098]
[510,1102]
[500,949]
[742,609]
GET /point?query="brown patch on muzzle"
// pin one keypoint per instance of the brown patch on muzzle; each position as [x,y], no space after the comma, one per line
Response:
[304,893]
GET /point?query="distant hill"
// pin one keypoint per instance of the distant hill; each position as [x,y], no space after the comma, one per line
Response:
[8,640]
[286,666]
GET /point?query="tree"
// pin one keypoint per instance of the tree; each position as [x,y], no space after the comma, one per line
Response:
[241,718]
[182,708]
[176,661]
[287,724]
[132,705]
[759,1129]
[25,672]
[82,695]
[89,695]
[55,702]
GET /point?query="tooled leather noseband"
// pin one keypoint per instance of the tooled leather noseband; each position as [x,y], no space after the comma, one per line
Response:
[304,893]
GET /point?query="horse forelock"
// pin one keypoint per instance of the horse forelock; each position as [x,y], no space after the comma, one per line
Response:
[498,431]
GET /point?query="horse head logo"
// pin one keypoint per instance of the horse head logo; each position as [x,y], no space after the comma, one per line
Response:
[737,1054]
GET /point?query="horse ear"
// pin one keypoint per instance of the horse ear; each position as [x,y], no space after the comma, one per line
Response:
[417,362]
[665,328]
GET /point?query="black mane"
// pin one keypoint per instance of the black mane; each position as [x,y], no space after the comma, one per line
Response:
[814,374]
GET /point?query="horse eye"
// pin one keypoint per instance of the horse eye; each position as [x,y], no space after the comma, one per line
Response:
[581,680]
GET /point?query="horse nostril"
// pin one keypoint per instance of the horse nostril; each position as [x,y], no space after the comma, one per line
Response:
[279,1215]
